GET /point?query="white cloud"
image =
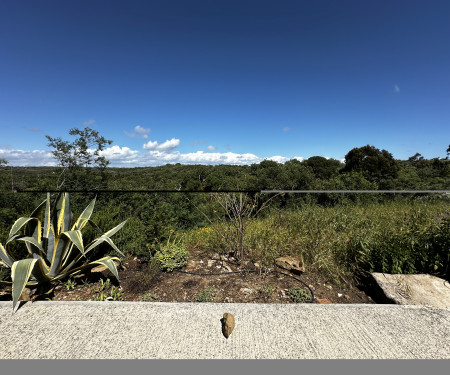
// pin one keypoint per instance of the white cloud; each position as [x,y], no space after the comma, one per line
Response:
[120,154]
[140,129]
[396,88]
[201,157]
[21,158]
[299,158]
[211,148]
[286,129]
[278,159]
[158,154]
[89,122]
[139,132]
[150,145]
[168,145]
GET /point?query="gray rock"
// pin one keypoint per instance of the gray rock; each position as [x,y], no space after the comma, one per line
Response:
[425,290]
[246,291]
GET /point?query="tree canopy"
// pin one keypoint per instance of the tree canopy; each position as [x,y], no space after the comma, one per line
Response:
[79,156]
[376,164]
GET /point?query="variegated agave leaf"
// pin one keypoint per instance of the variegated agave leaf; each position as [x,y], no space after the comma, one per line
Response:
[63,216]
[85,216]
[50,244]
[107,261]
[20,274]
[7,259]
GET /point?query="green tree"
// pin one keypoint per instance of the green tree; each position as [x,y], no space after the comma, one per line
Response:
[299,176]
[270,175]
[323,167]
[79,158]
[415,158]
[3,162]
[375,164]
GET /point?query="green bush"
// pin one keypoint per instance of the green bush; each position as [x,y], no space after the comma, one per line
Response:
[172,255]
[299,295]
[5,273]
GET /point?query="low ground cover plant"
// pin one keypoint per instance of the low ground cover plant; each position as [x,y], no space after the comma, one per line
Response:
[149,297]
[206,295]
[299,295]
[106,290]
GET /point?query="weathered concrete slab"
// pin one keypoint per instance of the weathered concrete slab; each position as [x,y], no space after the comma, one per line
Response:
[422,290]
[148,330]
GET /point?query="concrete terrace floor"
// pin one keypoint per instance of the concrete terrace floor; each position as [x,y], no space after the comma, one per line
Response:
[155,330]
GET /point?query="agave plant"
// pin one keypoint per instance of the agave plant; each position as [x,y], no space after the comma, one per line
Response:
[55,246]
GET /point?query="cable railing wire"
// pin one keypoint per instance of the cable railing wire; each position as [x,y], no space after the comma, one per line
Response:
[239,191]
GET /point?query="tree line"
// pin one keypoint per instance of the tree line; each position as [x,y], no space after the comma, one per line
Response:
[153,215]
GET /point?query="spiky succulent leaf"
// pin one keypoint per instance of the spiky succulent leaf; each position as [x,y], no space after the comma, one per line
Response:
[95,226]
[113,231]
[50,245]
[47,218]
[18,225]
[20,273]
[63,213]
[33,246]
[100,240]
[40,271]
[85,216]
[60,248]
[106,238]
[38,210]
[108,261]
[77,238]
[6,258]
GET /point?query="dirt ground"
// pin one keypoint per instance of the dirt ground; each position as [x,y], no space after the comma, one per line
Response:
[139,280]
[206,278]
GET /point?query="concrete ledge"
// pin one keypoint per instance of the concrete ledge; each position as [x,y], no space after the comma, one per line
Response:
[145,330]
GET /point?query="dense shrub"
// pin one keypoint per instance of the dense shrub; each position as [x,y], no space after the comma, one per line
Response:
[172,255]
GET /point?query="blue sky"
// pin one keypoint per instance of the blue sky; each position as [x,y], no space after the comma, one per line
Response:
[225,81]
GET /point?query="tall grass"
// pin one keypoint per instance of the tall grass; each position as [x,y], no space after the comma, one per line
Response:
[406,236]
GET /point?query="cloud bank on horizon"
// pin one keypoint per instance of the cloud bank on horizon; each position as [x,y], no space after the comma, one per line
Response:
[156,154]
